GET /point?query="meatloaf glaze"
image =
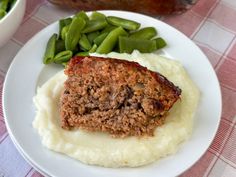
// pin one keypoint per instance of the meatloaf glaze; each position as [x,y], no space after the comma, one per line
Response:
[116,96]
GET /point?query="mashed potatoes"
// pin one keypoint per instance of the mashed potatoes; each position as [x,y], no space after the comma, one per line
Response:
[100,148]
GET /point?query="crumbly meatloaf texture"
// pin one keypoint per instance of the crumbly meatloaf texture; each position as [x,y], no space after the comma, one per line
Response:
[116,96]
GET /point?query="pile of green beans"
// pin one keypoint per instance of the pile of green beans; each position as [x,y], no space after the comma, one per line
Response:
[5,7]
[80,35]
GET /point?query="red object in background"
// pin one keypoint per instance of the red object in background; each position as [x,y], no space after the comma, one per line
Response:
[151,7]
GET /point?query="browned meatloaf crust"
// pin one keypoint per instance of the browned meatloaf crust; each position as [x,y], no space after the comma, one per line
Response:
[116,96]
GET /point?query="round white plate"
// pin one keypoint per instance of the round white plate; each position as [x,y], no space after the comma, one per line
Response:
[27,72]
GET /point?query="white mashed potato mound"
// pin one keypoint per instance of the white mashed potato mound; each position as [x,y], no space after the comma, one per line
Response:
[100,148]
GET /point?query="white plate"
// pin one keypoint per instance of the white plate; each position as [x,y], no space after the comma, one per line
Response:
[27,72]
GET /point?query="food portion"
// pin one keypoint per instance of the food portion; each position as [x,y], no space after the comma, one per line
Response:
[81,35]
[5,7]
[99,148]
[116,96]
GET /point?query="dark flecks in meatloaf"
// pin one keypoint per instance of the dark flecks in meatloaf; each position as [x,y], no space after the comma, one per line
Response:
[115,96]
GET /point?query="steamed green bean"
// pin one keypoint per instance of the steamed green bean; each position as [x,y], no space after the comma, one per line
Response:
[82,54]
[63,23]
[4,4]
[83,15]
[2,13]
[91,36]
[5,7]
[97,15]
[73,35]
[50,50]
[84,42]
[160,43]
[127,45]
[64,63]
[60,46]
[93,49]
[98,40]
[124,23]
[94,25]
[64,31]
[145,33]
[111,40]
[81,35]
[63,57]
[108,28]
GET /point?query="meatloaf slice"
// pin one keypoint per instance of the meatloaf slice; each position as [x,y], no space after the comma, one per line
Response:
[116,96]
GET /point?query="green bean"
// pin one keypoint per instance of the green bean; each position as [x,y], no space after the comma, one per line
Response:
[83,15]
[64,63]
[81,48]
[125,23]
[97,15]
[62,24]
[73,35]
[98,40]
[66,21]
[127,45]
[60,46]
[160,43]
[63,56]
[93,49]
[3,8]
[64,30]
[50,50]
[84,42]
[82,35]
[2,13]
[4,4]
[145,33]
[108,28]
[95,25]
[110,41]
[84,54]
[92,36]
